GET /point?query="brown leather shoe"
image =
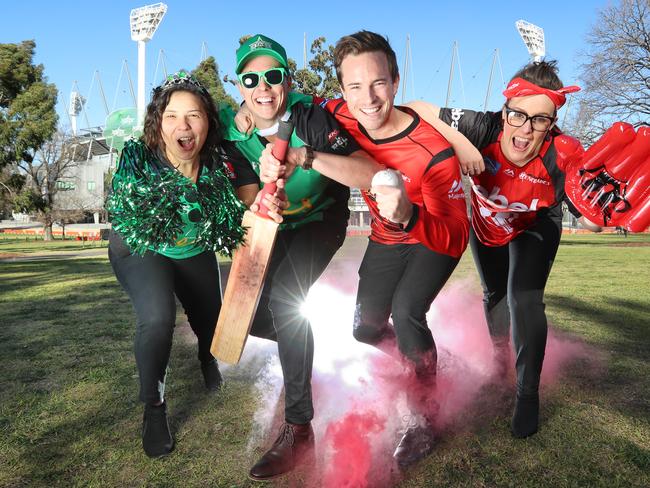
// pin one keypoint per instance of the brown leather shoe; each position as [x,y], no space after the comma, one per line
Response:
[294,443]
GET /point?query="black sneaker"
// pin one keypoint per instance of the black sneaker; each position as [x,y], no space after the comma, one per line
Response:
[212,375]
[417,442]
[157,440]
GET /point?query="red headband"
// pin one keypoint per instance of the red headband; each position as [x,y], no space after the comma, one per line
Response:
[519,87]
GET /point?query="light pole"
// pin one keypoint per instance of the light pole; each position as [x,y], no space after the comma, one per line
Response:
[533,37]
[144,22]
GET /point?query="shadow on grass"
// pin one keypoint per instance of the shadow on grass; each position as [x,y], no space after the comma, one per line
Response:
[68,391]
[626,319]
[625,323]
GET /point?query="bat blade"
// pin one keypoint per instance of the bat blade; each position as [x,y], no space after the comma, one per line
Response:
[249,267]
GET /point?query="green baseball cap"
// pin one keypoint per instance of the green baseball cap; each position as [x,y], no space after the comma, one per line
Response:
[260,45]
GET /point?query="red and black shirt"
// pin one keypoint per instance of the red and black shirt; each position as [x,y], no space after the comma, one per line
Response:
[508,199]
[432,180]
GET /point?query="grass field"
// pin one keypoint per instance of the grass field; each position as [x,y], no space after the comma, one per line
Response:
[69,415]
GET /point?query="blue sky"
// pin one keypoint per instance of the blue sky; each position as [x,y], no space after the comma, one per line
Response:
[74,39]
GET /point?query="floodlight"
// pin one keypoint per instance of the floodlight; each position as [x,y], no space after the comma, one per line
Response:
[533,37]
[76,103]
[74,109]
[144,22]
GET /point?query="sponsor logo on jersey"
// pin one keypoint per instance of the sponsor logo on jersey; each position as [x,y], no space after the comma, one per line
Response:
[456,114]
[456,191]
[509,172]
[533,179]
[502,217]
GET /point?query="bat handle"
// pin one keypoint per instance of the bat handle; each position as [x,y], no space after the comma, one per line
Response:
[279,152]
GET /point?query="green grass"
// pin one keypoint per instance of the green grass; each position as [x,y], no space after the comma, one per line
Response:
[13,244]
[69,415]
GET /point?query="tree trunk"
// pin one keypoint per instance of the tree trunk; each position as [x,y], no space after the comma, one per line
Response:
[47,228]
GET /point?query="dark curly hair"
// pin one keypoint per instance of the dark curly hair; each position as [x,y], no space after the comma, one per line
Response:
[153,119]
[542,73]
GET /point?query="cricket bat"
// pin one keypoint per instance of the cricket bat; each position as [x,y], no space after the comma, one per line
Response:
[248,270]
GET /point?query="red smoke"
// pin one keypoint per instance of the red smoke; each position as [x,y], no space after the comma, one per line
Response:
[350,439]
[359,392]
[364,424]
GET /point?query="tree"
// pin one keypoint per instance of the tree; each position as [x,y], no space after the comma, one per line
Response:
[207,72]
[11,184]
[616,70]
[50,167]
[320,78]
[27,104]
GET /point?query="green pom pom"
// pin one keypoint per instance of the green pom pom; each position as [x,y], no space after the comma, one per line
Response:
[149,198]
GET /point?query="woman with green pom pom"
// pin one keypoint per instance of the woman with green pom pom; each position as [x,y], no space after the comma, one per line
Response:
[172,207]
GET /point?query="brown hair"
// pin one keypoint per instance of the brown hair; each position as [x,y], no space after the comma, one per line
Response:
[542,73]
[153,119]
[364,42]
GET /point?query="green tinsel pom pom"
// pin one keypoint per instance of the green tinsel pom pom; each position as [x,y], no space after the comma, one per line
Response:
[149,198]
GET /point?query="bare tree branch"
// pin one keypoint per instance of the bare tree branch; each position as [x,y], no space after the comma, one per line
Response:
[616,68]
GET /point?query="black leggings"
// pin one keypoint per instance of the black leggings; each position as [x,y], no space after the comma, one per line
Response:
[151,282]
[401,280]
[299,258]
[514,277]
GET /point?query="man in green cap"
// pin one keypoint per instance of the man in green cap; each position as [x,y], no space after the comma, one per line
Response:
[322,161]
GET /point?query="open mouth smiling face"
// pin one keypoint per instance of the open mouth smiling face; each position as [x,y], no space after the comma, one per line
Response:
[184,128]
[522,143]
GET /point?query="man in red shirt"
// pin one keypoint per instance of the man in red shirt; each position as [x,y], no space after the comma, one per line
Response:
[419,228]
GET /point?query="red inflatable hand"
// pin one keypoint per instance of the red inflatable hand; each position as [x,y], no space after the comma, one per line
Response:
[610,183]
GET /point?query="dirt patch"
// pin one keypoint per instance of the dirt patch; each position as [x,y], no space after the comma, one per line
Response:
[10,255]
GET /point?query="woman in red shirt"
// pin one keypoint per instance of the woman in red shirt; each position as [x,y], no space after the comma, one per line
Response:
[517,194]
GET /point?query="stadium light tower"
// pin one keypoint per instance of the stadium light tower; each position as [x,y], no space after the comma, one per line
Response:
[533,37]
[144,22]
[74,109]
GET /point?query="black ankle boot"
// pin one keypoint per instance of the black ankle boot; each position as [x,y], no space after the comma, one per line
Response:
[294,445]
[157,440]
[525,419]
[211,375]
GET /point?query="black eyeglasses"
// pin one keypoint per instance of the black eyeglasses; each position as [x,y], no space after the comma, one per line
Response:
[540,123]
[273,76]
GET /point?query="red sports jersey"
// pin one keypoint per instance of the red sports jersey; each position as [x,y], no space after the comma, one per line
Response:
[506,199]
[432,180]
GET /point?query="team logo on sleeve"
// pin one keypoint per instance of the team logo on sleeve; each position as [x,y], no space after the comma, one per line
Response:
[229,170]
[336,141]
[456,114]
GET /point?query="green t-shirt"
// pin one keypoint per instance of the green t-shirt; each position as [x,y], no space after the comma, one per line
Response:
[312,196]
[190,213]
[155,208]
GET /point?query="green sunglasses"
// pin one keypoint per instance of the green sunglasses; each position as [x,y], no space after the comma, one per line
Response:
[251,79]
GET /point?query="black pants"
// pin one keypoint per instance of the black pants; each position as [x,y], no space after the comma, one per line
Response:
[299,258]
[401,280]
[514,277]
[151,282]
